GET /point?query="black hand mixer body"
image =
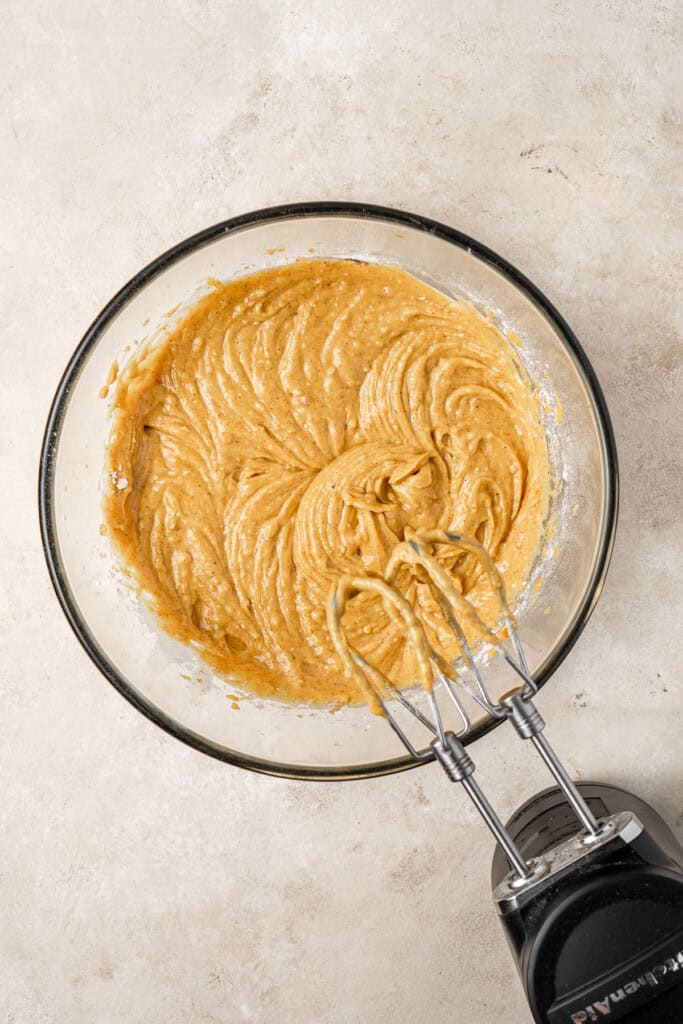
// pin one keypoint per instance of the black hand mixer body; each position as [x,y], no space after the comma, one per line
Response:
[600,937]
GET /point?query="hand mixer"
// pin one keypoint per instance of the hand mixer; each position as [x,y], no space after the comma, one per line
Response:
[587,878]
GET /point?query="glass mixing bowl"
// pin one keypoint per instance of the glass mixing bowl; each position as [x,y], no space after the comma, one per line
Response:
[165,679]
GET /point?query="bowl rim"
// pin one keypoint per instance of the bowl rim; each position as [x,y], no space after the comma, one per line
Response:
[50,443]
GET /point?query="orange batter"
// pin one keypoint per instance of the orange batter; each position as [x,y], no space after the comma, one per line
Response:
[289,431]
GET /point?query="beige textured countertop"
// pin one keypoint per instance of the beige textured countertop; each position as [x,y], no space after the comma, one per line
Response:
[139,880]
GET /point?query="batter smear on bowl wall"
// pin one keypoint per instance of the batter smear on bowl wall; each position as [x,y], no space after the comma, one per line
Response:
[294,427]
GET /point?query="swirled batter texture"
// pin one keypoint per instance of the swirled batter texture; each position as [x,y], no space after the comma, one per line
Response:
[293,428]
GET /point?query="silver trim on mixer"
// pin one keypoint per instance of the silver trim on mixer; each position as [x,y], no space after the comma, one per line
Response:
[566,856]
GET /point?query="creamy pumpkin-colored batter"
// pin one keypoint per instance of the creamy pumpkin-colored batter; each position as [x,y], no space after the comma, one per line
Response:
[293,428]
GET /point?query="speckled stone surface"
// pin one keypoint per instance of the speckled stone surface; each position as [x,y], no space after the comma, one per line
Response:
[139,880]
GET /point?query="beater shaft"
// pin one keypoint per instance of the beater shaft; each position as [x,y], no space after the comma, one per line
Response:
[567,785]
[530,725]
[459,767]
[495,825]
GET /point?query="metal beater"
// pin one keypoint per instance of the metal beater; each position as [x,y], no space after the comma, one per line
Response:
[564,887]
